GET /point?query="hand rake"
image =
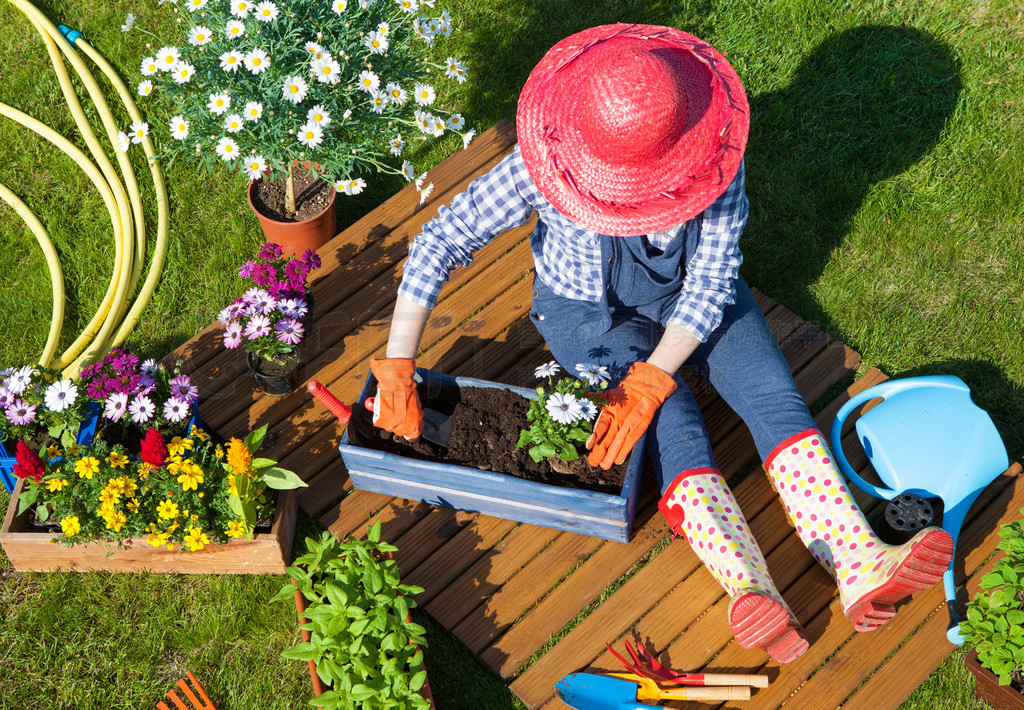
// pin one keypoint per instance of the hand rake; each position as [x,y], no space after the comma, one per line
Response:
[196,705]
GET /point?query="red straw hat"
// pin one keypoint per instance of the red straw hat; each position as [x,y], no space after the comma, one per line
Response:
[632,129]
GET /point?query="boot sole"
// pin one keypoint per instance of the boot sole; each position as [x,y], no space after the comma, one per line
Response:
[761,622]
[924,566]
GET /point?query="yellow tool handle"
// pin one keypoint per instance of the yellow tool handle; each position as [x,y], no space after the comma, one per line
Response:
[755,681]
[725,692]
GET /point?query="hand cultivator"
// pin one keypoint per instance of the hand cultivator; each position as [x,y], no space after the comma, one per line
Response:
[206,704]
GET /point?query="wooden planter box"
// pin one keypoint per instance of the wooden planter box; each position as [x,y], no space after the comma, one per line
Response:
[987,688]
[587,512]
[267,553]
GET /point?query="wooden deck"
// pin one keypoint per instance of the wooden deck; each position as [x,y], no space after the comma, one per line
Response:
[511,592]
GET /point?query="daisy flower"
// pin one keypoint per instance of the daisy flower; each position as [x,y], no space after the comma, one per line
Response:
[294,89]
[233,123]
[199,35]
[339,185]
[227,149]
[455,70]
[446,23]
[182,72]
[354,187]
[339,6]
[128,22]
[175,409]
[310,135]
[123,143]
[377,43]
[408,171]
[179,128]
[593,374]
[149,67]
[318,115]
[588,410]
[423,94]
[563,407]
[253,111]
[257,61]
[427,3]
[266,11]
[230,61]
[313,47]
[257,327]
[384,28]
[138,131]
[423,120]
[425,192]
[423,30]
[326,70]
[408,5]
[219,103]
[366,4]
[255,166]
[456,122]
[379,100]
[467,138]
[194,5]
[166,58]
[396,94]
[145,87]
[368,80]
[233,335]
[240,8]
[21,413]
[60,395]
[141,409]
[289,331]
[182,387]
[115,406]
[548,369]
[396,145]
[234,29]
[436,125]
[433,27]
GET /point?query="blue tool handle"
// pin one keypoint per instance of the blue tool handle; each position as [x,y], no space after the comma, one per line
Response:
[70,35]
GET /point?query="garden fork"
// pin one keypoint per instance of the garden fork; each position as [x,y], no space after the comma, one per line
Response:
[646,665]
[196,705]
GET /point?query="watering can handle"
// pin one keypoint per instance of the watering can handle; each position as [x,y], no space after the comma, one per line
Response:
[880,391]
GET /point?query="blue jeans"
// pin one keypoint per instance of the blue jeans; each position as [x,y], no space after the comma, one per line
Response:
[741,359]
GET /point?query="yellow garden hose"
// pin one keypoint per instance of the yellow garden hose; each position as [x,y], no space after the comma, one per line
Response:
[52,261]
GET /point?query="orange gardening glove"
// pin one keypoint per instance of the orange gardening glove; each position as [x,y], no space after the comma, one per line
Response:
[397,406]
[629,411]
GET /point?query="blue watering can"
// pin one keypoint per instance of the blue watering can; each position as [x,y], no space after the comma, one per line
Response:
[929,439]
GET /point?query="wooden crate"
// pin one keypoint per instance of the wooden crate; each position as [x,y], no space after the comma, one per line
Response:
[33,551]
[588,512]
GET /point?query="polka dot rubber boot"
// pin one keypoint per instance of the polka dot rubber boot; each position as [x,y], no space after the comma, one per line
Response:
[700,507]
[872,576]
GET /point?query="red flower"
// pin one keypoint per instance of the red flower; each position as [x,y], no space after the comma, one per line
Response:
[28,465]
[154,450]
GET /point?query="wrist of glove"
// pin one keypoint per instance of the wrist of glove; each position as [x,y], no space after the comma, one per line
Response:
[397,405]
[629,411]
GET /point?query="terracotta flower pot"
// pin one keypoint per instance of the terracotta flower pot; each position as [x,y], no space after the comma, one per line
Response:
[987,688]
[296,237]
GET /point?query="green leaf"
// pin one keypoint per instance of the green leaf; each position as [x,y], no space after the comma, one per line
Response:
[359,626]
[568,453]
[546,450]
[361,692]
[336,594]
[992,580]
[418,680]
[373,532]
[304,651]
[29,496]
[255,438]
[281,479]
[42,513]
[262,463]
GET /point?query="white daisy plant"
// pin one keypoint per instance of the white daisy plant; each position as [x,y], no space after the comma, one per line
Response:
[562,415]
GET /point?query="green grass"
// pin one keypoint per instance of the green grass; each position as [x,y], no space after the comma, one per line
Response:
[884,170]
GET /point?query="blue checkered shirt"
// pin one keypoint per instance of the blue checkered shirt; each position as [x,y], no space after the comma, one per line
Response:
[567,256]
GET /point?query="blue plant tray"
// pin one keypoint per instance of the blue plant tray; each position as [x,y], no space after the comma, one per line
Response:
[598,514]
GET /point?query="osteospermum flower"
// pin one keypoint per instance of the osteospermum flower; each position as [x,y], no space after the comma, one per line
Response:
[266,11]
[318,115]
[326,70]
[175,409]
[254,167]
[455,69]
[199,35]
[227,149]
[354,187]
[456,122]
[141,409]
[396,94]
[396,145]
[219,103]
[115,406]
[408,171]
[19,380]
[377,43]
[123,142]
[294,89]
[20,412]
[368,80]
[593,374]
[423,94]
[182,72]
[289,331]
[6,397]
[563,407]
[179,128]
[181,386]
[60,395]
[310,135]
[240,8]
[230,61]
[588,410]
[145,87]
[257,61]
[257,327]
[233,123]
[166,57]
[149,66]
[548,369]
[293,307]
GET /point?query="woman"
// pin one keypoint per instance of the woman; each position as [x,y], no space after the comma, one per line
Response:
[631,141]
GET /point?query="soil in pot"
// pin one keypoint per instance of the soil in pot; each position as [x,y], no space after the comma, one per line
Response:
[283,365]
[485,428]
[312,196]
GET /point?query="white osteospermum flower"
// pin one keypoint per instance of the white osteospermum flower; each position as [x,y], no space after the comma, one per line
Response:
[423,94]
[593,374]
[313,47]
[166,57]
[227,149]
[123,142]
[379,100]
[233,123]
[548,369]
[182,72]
[194,5]
[396,94]
[219,103]
[588,410]
[179,128]
[230,61]
[266,11]
[257,61]
[145,87]
[240,8]
[318,115]
[408,171]
[455,70]
[255,166]
[326,70]
[354,187]
[294,89]
[199,35]
[563,407]
[253,111]
[339,6]
[60,395]
[408,5]
[456,122]
[468,137]
[310,135]
[368,80]
[396,145]
[377,43]
[149,67]
[138,131]
[234,29]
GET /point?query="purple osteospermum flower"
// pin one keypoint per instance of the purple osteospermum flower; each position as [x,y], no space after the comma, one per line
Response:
[289,331]
[311,259]
[176,409]
[147,383]
[233,335]
[115,406]
[257,326]
[270,251]
[125,361]
[91,370]
[295,270]
[126,382]
[142,409]
[182,387]
[96,389]
[21,413]
[19,380]
[246,270]
[149,367]
[6,397]
[293,307]
[588,410]
[564,408]
[264,274]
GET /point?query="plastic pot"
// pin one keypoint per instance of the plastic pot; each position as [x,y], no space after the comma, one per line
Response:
[276,385]
[987,688]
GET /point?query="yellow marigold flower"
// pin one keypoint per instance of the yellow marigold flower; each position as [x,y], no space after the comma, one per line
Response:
[53,451]
[179,446]
[144,470]
[109,497]
[167,510]
[133,505]
[191,476]
[87,466]
[73,449]
[54,484]
[239,456]
[196,539]
[128,485]
[219,451]
[70,526]
[236,528]
[106,510]
[157,539]
[116,521]
[117,459]
[197,433]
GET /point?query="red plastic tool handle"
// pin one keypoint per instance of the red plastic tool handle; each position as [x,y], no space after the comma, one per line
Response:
[334,405]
